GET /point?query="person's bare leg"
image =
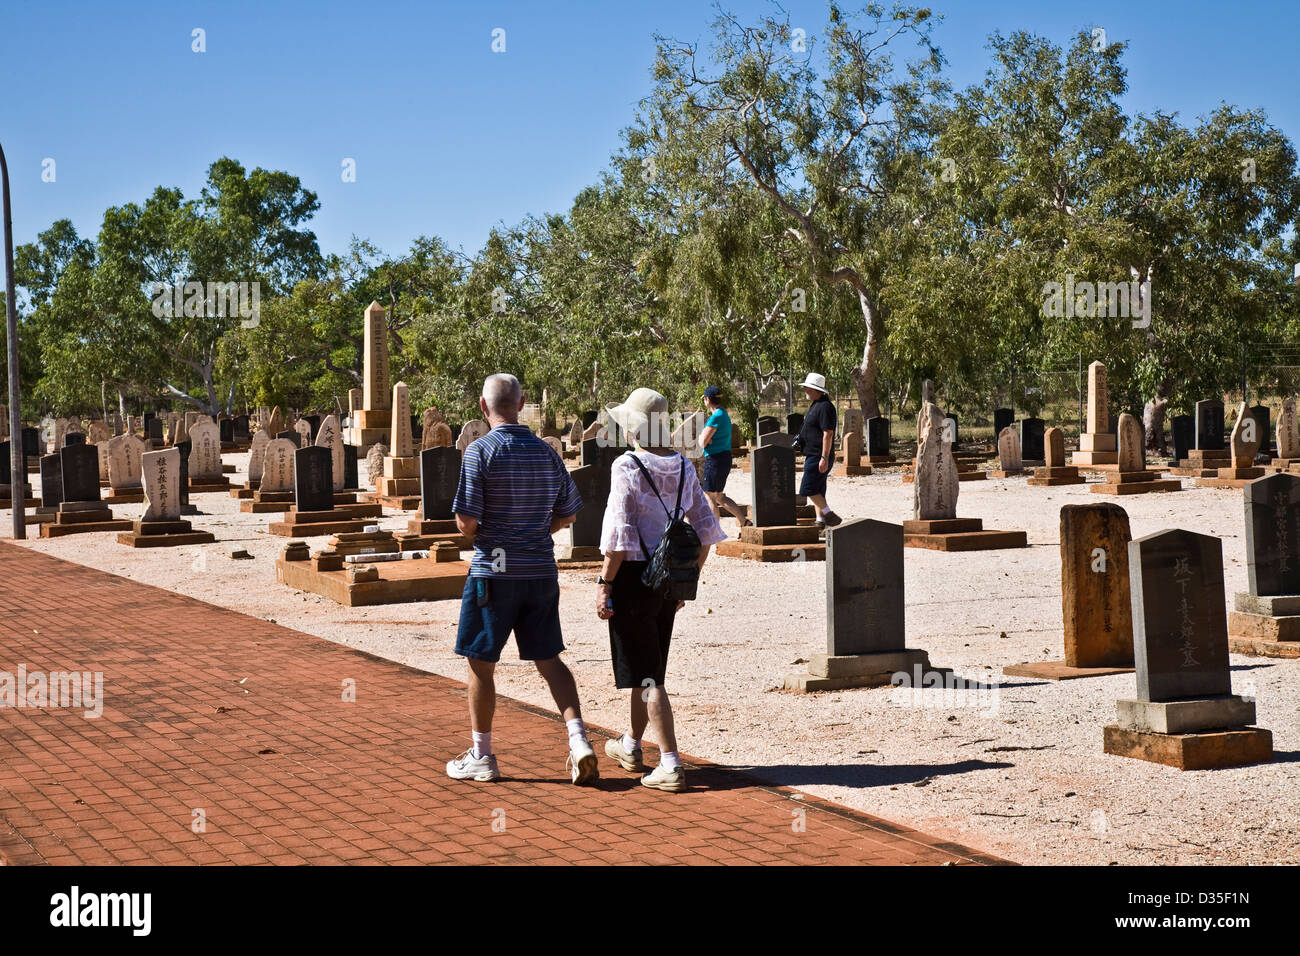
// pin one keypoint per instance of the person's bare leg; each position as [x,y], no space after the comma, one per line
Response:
[820,502]
[640,714]
[482,695]
[661,718]
[719,500]
[564,689]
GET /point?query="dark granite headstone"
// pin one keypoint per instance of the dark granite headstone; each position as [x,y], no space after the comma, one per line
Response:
[154,430]
[241,428]
[313,478]
[1273,534]
[184,471]
[32,443]
[74,438]
[1003,418]
[1209,425]
[79,466]
[292,435]
[765,424]
[439,476]
[6,466]
[1180,625]
[1031,439]
[227,431]
[146,419]
[314,422]
[417,429]
[878,436]
[588,417]
[1182,431]
[771,475]
[593,486]
[351,477]
[51,481]
[864,588]
[1263,422]
[793,423]
[598,453]
[777,438]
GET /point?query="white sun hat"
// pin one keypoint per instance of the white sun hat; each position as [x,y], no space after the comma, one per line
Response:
[635,416]
[815,381]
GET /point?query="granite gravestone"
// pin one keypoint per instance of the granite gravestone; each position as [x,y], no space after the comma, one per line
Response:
[1209,425]
[1180,625]
[242,433]
[32,443]
[289,435]
[51,481]
[154,430]
[314,422]
[793,423]
[161,476]
[593,482]
[864,588]
[351,475]
[1003,418]
[589,418]
[79,468]
[772,475]
[439,477]
[185,447]
[73,438]
[765,424]
[1273,535]
[1031,440]
[1182,429]
[313,479]
[1263,419]
[777,438]
[878,437]
[598,453]
[226,430]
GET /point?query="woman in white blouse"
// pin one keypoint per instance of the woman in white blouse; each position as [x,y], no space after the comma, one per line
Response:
[641,620]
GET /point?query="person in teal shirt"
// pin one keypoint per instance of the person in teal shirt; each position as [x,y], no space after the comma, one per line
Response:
[715,440]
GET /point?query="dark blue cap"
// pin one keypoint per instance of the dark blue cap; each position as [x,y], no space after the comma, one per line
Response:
[713,392]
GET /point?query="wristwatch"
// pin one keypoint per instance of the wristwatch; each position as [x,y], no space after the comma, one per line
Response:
[601,580]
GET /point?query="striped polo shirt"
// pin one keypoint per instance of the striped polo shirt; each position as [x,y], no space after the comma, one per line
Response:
[514,484]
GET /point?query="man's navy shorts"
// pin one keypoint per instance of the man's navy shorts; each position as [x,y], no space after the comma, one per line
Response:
[715,471]
[530,607]
[814,482]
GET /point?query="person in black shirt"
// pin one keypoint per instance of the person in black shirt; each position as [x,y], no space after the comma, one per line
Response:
[817,441]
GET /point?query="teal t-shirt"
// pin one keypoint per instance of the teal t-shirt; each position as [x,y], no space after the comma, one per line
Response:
[720,421]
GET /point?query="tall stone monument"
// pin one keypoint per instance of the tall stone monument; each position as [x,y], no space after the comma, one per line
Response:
[1097,444]
[372,421]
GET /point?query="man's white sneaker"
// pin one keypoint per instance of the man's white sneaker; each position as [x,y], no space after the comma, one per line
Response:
[582,761]
[628,760]
[674,781]
[470,766]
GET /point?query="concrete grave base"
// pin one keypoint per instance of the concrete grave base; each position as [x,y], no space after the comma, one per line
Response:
[302,528]
[1265,626]
[1059,670]
[264,502]
[163,534]
[959,534]
[208,484]
[840,672]
[82,517]
[1193,715]
[6,503]
[581,557]
[799,542]
[392,583]
[1208,750]
[1019,473]
[394,502]
[123,497]
[1226,482]
[857,471]
[1135,483]
[1057,475]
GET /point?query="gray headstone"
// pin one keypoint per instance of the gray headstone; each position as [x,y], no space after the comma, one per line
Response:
[51,481]
[439,476]
[1182,429]
[313,479]
[864,588]
[79,466]
[878,436]
[593,482]
[1273,535]
[793,423]
[1180,625]
[771,475]
[1031,439]
[1209,424]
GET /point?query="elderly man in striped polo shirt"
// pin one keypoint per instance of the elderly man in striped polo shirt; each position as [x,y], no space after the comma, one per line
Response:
[514,494]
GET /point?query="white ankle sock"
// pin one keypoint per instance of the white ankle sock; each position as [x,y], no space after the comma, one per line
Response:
[482,744]
[669,760]
[630,743]
[576,728]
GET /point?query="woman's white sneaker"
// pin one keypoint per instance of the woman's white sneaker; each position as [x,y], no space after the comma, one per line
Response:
[582,761]
[661,778]
[470,766]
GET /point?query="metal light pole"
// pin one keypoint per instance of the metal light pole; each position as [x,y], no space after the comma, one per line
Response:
[17,461]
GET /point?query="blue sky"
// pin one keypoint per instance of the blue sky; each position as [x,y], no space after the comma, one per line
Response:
[450,138]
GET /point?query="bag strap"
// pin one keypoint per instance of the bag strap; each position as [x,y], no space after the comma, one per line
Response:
[681,483]
[651,482]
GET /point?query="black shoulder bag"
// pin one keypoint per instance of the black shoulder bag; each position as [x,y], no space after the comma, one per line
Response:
[673,568]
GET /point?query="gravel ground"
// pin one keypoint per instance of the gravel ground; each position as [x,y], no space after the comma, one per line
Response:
[1016,770]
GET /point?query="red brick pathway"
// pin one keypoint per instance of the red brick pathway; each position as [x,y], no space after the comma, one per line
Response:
[244,720]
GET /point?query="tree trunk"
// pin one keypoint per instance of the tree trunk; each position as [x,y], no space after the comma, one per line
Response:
[864,374]
[121,404]
[1153,423]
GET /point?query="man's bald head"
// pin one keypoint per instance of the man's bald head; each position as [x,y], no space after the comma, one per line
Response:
[502,396]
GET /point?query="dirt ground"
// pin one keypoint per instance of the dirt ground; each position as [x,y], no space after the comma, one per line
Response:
[1016,770]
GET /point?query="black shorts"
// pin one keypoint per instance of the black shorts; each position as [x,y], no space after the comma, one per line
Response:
[716,469]
[814,482]
[640,630]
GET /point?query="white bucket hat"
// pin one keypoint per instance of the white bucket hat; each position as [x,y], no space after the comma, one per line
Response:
[635,416]
[815,381]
